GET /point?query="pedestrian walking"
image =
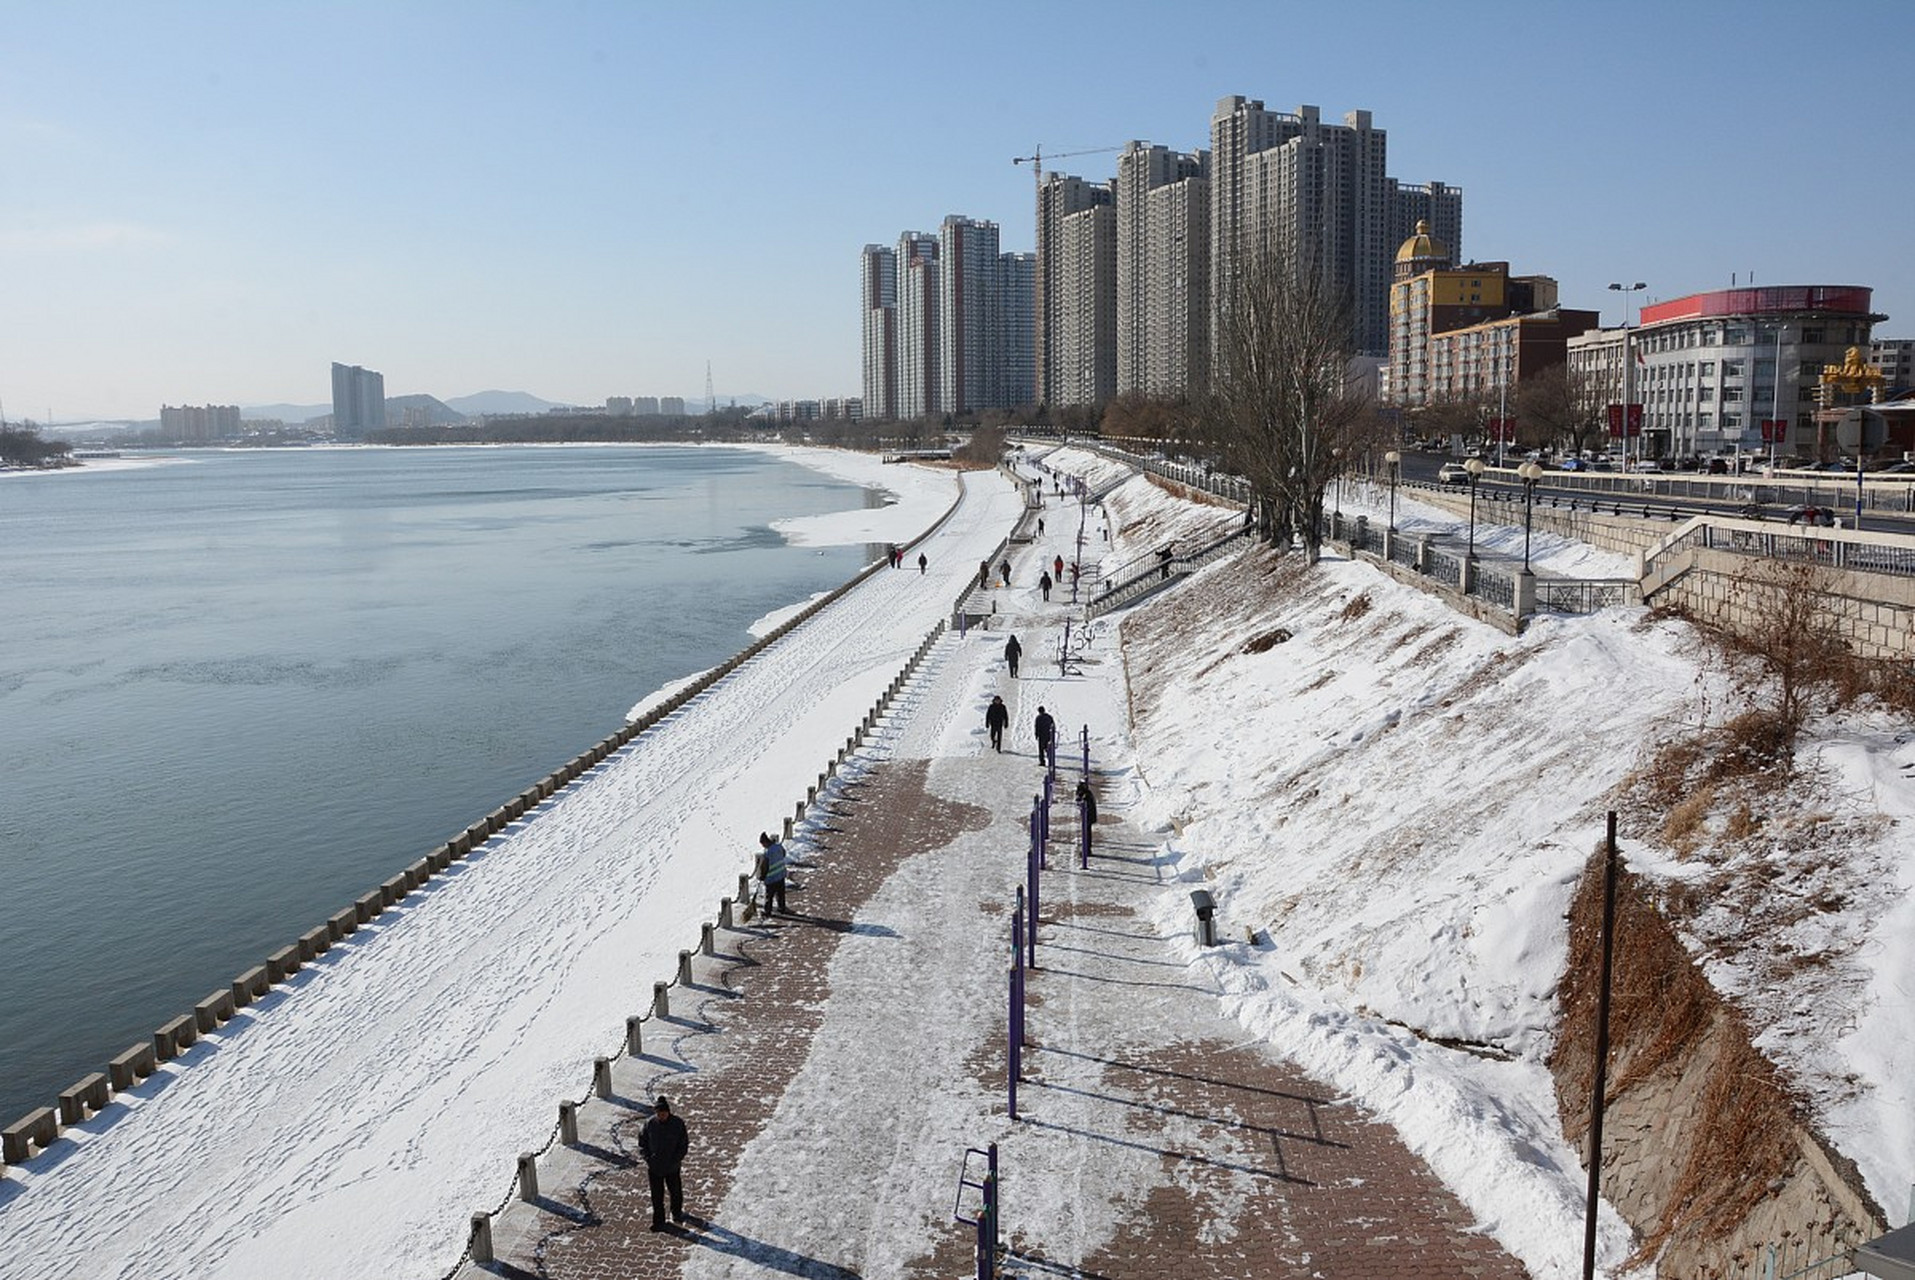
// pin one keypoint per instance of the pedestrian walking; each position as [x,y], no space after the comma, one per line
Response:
[1044,584]
[1005,566]
[1057,569]
[1164,558]
[1046,730]
[1040,526]
[1087,803]
[891,553]
[663,1143]
[997,718]
[922,562]
[773,869]
[1012,652]
[984,573]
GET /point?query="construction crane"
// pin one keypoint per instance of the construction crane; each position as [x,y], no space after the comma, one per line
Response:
[1036,159]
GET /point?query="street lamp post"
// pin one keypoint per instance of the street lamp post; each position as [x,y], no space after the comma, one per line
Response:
[1336,462]
[1625,290]
[1530,473]
[1394,461]
[1475,468]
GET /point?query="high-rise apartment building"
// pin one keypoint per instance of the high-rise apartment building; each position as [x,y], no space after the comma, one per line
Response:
[916,340]
[1894,359]
[1059,196]
[1317,196]
[193,423]
[1017,290]
[358,401]
[877,308]
[970,350]
[1163,255]
[1085,346]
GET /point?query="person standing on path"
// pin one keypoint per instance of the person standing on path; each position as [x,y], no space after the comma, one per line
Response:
[1046,729]
[997,717]
[984,573]
[1057,569]
[1044,584]
[663,1143]
[1012,652]
[922,562]
[1087,803]
[772,869]
[1006,567]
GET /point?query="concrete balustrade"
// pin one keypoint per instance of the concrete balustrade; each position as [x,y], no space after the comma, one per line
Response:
[568,1124]
[479,1244]
[315,943]
[634,1036]
[131,1067]
[602,1077]
[497,821]
[366,906]
[684,968]
[282,964]
[341,923]
[477,834]
[420,872]
[724,913]
[661,1000]
[441,858]
[174,1038]
[251,985]
[88,1097]
[461,844]
[707,938]
[395,889]
[37,1128]
[213,1010]
[528,1177]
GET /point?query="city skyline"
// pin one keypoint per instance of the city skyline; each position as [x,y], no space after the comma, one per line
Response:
[211,206]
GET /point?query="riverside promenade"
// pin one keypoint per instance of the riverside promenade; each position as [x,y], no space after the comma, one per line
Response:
[834,1066]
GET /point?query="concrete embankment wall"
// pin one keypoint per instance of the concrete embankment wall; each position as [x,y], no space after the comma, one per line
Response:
[1705,1152]
[40,1128]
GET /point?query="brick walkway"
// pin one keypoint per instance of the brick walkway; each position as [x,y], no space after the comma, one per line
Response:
[1156,1138]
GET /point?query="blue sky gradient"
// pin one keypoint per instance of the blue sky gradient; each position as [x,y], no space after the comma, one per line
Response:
[209,203]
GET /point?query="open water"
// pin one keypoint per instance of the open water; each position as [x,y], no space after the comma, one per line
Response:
[238,689]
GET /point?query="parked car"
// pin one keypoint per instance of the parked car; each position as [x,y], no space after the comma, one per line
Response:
[1803,514]
[1718,466]
[1453,473]
[1574,464]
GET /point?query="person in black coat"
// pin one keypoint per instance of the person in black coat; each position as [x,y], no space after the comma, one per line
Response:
[997,717]
[1046,730]
[663,1143]
[1012,652]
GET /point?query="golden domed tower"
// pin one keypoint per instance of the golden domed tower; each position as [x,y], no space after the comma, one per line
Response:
[1421,253]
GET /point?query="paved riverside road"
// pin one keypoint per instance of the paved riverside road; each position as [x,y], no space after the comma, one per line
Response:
[834,1066]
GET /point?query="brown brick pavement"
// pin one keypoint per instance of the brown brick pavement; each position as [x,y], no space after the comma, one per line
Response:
[1157,1138]
[732,1050]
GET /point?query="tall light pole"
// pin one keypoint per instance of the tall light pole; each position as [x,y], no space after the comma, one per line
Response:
[1394,460]
[1336,461]
[1625,290]
[1475,468]
[1530,473]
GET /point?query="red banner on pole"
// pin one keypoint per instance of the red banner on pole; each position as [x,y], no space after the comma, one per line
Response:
[1775,430]
[1615,421]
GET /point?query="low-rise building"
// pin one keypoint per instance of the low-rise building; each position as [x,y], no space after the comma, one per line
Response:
[1731,369]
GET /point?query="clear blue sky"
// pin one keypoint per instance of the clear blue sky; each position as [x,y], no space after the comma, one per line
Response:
[209,202]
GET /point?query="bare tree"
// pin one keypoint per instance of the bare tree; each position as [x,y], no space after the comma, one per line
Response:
[1460,414]
[1562,406]
[1285,402]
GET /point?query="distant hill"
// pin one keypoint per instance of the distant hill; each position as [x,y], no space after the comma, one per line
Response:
[500,402]
[436,413]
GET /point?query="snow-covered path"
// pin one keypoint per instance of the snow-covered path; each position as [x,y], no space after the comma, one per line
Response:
[350,1122]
